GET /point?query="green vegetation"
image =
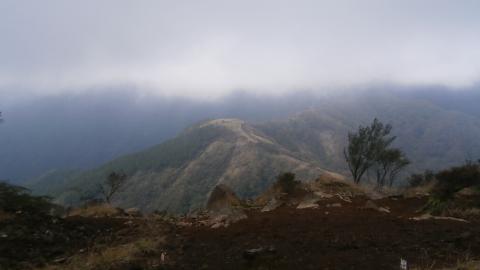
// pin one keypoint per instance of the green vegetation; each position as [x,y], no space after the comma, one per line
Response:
[421,179]
[455,179]
[455,191]
[114,182]
[18,199]
[287,183]
[176,175]
[369,149]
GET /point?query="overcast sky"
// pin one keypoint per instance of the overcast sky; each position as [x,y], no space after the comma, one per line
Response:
[207,48]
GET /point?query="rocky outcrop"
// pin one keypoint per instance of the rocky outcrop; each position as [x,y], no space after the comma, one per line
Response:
[177,175]
[222,199]
[224,207]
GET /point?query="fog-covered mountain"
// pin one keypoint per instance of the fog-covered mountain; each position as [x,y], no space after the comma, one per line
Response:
[85,130]
[81,131]
[178,174]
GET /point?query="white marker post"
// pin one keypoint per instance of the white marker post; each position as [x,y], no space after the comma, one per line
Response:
[403,264]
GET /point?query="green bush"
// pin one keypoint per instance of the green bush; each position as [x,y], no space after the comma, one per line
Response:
[420,179]
[14,198]
[454,179]
[287,183]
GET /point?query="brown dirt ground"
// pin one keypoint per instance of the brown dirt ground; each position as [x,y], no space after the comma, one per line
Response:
[346,237]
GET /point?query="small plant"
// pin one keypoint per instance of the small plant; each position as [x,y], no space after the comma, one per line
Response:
[447,185]
[112,185]
[369,150]
[286,181]
[453,180]
[15,198]
[420,179]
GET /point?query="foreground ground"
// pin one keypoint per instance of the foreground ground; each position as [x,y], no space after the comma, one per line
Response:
[335,235]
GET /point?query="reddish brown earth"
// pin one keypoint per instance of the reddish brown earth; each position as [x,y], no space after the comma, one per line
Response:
[27,241]
[346,237]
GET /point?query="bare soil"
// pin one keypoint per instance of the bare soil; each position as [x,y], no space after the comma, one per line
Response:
[328,237]
[346,237]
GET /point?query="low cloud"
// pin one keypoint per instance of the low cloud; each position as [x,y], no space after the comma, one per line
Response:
[208,48]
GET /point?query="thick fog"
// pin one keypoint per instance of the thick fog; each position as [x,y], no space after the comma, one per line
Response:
[82,82]
[71,131]
[209,48]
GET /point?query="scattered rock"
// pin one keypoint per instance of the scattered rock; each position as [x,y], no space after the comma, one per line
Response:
[344,198]
[272,205]
[133,212]
[163,257]
[60,260]
[184,224]
[429,216]
[310,202]
[305,205]
[251,254]
[323,195]
[223,208]
[222,198]
[334,205]
[468,192]
[219,225]
[371,205]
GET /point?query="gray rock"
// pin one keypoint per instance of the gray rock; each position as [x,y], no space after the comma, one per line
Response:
[133,212]
[272,205]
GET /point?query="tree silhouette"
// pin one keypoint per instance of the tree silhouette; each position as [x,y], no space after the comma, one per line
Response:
[112,185]
[370,148]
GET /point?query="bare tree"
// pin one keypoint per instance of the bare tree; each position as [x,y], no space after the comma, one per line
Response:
[112,185]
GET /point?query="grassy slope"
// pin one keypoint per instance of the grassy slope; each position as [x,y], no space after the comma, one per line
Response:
[178,175]
[432,137]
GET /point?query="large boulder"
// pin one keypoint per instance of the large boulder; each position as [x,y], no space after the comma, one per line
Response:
[222,199]
[224,207]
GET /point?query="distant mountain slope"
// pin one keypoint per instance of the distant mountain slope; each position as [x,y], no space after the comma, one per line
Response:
[432,137]
[83,131]
[178,174]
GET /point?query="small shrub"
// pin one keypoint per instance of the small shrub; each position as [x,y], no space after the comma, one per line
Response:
[452,180]
[287,183]
[420,179]
[15,198]
[436,206]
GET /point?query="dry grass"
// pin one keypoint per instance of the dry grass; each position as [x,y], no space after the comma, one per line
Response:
[334,184]
[470,265]
[112,257]
[5,216]
[462,213]
[464,263]
[100,210]
[422,190]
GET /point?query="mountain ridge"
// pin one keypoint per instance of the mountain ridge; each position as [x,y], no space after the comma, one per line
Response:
[220,151]
[178,174]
